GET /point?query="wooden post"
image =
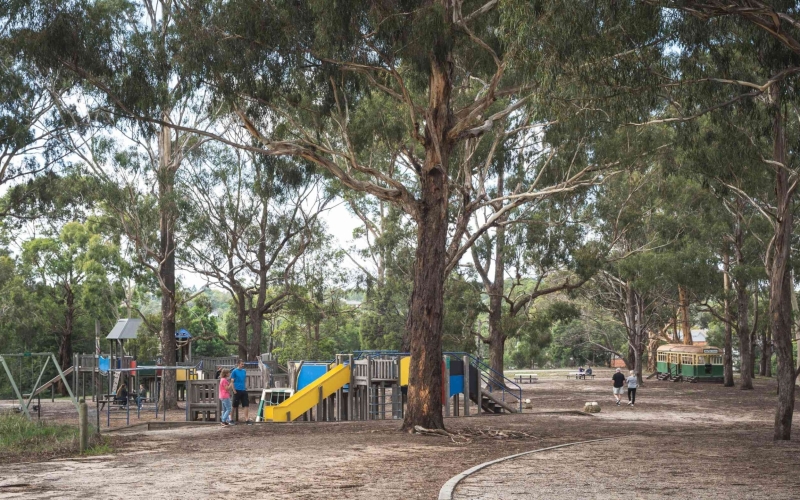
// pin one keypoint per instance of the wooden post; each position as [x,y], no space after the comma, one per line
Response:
[446,398]
[83,421]
[369,388]
[466,386]
[382,402]
[351,388]
[455,404]
[320,406]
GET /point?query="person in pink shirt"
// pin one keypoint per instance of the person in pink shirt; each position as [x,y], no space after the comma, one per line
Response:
[225,396]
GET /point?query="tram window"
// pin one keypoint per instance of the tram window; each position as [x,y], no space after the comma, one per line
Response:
[701,360]
[687,359]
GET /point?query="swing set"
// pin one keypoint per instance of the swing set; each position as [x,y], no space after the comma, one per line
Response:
[37,388]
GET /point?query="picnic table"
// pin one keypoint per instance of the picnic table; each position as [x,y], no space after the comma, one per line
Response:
[525,378]
[579,375]
[111,400]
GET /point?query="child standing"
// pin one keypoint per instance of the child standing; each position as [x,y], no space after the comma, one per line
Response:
[225,396]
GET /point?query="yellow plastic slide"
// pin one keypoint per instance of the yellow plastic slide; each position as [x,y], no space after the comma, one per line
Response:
[307,398]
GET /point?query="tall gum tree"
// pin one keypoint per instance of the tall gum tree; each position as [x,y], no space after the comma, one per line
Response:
[766,39]
[298,77]
[250,218]
[120,58]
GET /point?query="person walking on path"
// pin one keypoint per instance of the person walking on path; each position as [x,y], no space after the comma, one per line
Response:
[633,383]
[239,378]
[619,381]
[225,396]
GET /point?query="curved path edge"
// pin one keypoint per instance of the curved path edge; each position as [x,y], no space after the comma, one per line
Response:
[446,493]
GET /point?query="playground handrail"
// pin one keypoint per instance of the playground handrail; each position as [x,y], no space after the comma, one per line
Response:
[509,386]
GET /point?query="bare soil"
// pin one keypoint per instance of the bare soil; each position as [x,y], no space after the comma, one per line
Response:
[681,441]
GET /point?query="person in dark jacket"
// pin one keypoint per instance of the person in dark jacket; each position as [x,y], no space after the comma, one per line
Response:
[121,396]
[618,380]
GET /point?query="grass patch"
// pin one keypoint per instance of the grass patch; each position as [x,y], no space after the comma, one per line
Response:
[21,438]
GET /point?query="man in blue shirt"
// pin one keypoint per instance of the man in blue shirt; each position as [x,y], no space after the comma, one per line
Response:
[239,378]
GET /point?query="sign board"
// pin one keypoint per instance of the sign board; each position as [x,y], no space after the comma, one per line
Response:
[711,351]
[26,354]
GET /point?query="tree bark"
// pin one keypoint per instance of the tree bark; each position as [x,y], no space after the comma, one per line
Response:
[241,323]
[166,269]
[497,337]
[762,365]
[780,289]
[424,322]
[742,303]
[727,349]
[686,325]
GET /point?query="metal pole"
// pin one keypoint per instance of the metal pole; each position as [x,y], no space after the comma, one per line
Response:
[466,386]
[64,379]
[36,385]
[14,386]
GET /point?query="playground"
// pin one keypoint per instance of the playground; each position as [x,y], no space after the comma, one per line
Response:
[681,440]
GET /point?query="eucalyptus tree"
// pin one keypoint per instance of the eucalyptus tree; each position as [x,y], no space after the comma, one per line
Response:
[539,250]
[121,58]
[305,80]
[249,218]
[384,254]
[748,52]
[28,123]
[76,267]
[646,218]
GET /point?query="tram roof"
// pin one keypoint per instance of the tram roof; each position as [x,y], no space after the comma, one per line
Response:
[690,349]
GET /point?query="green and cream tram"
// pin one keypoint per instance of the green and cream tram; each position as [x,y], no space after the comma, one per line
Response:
[690,362]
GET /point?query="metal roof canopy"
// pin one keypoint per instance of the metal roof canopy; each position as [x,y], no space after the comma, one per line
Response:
[125,329]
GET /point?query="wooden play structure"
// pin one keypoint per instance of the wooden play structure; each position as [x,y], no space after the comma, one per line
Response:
[361,386]
[690,363]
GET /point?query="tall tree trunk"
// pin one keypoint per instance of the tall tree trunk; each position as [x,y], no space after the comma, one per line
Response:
[768,356]
[166,269]
[242,312]
[652,351]
[65,346]
[257,326]
[686,324]
[675,338]
[742,302]
[727,349]
[745,347]
[497,337]
[762,365]
[780,308]
[424,322]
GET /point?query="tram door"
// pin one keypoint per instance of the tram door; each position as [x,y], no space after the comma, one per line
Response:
[701,360]
[675,359]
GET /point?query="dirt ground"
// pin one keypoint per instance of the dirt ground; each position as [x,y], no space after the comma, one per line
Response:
[681,441]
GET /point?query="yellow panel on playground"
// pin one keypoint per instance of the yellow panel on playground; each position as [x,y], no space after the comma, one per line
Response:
[405,363]
[184,375]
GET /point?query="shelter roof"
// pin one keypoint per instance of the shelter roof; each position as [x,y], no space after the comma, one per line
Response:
[125,329]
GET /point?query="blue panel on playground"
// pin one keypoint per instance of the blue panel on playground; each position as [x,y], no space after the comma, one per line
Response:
[103,364]
[456,384]
[310,373]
